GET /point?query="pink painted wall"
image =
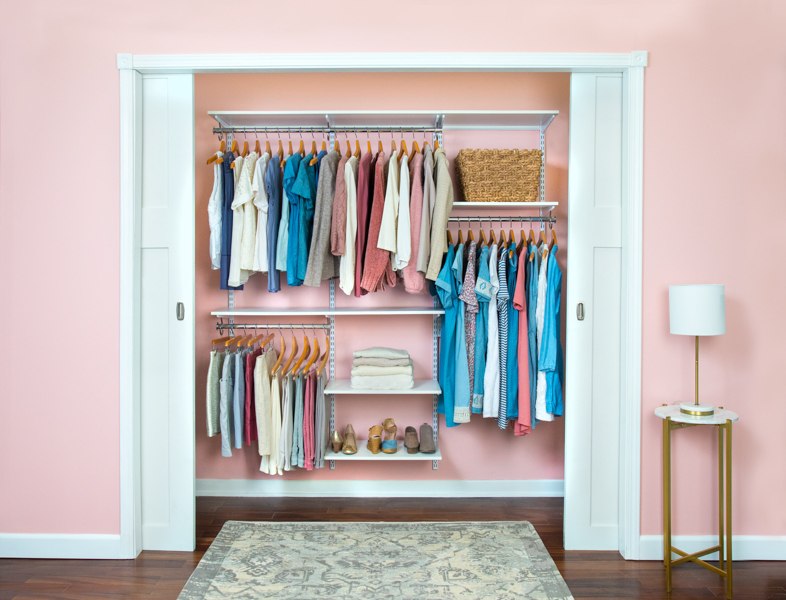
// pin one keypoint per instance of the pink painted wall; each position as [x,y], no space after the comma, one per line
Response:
[715,146]
[478,450]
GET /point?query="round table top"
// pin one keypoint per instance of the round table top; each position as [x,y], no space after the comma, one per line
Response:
[673,410]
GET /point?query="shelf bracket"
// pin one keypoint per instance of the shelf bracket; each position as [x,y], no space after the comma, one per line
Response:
[435,331]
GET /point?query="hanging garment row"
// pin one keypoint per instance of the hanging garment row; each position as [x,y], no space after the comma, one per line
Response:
[255,394]
[364,219]
[500,353]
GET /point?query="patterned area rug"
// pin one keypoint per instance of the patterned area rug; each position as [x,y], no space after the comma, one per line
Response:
[347,561]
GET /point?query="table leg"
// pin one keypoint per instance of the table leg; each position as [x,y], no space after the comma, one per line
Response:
[720,495]
[728,509]
[667,500]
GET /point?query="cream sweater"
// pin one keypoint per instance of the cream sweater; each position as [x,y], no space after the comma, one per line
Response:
[442,207]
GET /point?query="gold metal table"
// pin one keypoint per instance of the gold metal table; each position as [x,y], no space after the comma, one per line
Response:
[673,419]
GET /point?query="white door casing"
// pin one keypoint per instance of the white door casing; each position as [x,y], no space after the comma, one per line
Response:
[167,343]
[592,394]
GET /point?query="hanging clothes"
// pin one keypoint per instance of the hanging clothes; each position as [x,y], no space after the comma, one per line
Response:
[282,245]
[306,188]
[513,337]
[414,280]
[214,372]
[377,268]
[298,453]
[523,424]
[290,177]
[347,262]
[387,231]
[244,168]
[503,298]
[259,263]
[287,423]
[239,398]
[365,194]
[471,307]
[226,220]
[491,380]
[270,464]
[541,412]
[308,421]
[248,236]
[262,392]
[250,412]
[463,391]
[483,296]
[273,187]
[321,422]
[550,357]
[322,264]
[443,204]
[448,297]
[426,215]
[532,329]
[339,219]
[225,407]
[214,215]
[403,226]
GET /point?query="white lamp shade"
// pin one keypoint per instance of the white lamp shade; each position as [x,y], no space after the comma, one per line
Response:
[697,309]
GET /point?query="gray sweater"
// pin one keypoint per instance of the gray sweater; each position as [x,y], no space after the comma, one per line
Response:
[321,263]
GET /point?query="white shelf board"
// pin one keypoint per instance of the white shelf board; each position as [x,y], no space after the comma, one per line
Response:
[364,453]
[325,312]
[480,206]
[453,119]
[422,386]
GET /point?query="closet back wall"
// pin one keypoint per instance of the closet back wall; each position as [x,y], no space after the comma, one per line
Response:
[474,451]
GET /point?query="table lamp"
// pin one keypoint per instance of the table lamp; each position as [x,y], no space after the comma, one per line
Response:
[697,310]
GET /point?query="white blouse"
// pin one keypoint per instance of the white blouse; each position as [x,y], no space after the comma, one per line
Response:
[403,232]
[259,191]
[243,171]
[347,263]
[541,414]
[491,379]
[387,232]
[214,215]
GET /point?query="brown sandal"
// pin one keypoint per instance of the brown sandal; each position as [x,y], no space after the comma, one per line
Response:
[374,439]
[350,442]
[389,444]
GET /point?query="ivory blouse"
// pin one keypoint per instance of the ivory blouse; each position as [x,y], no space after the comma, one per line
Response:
[347,264]
[214,216]
[259,191]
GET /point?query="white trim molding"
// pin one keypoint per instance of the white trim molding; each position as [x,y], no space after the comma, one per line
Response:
[744,547]
[385,61]
[356,488]
[60,545]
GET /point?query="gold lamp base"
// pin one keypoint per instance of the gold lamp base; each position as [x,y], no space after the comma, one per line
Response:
[696,409]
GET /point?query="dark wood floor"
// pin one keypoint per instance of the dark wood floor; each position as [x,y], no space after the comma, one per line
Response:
[160,575]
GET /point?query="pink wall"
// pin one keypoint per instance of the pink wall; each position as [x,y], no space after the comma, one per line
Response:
[715,146]
[475,451]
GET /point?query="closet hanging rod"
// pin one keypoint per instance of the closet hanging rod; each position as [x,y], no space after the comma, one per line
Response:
[502,219]
[220,326]
[328,130]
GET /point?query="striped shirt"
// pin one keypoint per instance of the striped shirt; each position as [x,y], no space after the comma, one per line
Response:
[503,304]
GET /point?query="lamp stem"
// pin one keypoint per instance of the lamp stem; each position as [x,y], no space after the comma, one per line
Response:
[697,370]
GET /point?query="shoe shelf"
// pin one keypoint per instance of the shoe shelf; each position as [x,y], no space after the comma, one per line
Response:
[422,386]
[364,453]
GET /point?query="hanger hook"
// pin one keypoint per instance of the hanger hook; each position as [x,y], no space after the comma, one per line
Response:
[220,136]
[265,130]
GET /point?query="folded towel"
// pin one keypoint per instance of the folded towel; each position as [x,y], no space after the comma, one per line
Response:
[382,362]
[380,352]
[371,371]
[383,382]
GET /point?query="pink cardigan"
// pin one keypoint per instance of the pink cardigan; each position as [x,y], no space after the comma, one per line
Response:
[415,281]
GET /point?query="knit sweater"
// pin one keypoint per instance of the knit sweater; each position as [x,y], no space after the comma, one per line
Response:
[321,263]
[338,228]
[365,194]
[414,281]
[377,265]
[442,207]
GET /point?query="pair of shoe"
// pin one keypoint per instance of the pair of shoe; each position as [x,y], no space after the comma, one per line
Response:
[426,445]
[375,441]
[347,444]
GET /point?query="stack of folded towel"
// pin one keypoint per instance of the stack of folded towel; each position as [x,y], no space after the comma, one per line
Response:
[382,369]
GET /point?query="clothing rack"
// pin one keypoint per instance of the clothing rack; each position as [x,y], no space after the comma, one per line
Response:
[327,130]
[502,219]
[222,326]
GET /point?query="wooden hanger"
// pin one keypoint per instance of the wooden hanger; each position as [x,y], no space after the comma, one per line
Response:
[324,146]
[314,355]
[502,241]
[257,148]
[381,149]
[357,149]
[404,148]
[255,339]
[280,150]
[461,236]
[553,238]
[492,239]
[470,236]
[232,340]
[234,147]
[219,340]
[369,146]
[245,149]
[542,239]
[436,145]
[512,237]
[415,150]
[280,357]
[290,148]
[306,352]
[450,238]
[349,149]
[267,148]
[313,161]
[285,370]
[336,147]
[483,237]
[327,352]
[392,146]
[301,150]
[522,241]
[313,147]
[245,341]
[531,236]
[215,157]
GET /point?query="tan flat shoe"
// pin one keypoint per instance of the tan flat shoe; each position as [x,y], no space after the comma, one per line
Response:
[336,440]
[374,439]
[350,442]
[411,440]
[389,444]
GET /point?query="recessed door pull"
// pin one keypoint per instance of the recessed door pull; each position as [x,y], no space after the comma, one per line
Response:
[580,311]
[180,311]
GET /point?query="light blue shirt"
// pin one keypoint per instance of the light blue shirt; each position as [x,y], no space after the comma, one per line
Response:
[513,339]
[483,293]
[551,359]
[463,393]
[448,297]
[532,329]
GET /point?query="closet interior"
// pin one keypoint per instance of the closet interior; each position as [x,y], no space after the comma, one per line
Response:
[354,134]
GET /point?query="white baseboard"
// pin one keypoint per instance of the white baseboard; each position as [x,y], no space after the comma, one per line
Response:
[381,488]
[744,547]
[60,545]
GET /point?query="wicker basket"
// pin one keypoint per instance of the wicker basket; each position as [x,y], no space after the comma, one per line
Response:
[499,175]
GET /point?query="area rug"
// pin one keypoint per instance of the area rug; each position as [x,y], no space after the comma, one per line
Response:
[348,561]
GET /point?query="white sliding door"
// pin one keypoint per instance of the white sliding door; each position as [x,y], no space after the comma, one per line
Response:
[167,335]
[592,394]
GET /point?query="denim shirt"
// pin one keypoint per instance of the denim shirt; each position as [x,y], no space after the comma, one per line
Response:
[273,186]
[448,297]
[551,359]
[227,217]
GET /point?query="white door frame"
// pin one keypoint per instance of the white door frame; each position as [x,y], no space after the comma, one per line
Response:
[631,65]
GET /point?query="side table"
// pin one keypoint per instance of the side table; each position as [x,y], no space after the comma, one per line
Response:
[673,418]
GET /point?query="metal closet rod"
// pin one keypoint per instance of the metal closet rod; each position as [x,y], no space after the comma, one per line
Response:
[502,219]
[327,129]
[221,326]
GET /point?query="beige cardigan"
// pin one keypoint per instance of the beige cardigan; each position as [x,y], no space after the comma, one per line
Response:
[442,207]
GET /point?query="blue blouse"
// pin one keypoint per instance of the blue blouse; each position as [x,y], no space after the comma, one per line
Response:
[448,297]
[551,359]
[290,175]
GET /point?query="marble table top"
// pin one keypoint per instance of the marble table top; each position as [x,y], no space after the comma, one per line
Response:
[673,410]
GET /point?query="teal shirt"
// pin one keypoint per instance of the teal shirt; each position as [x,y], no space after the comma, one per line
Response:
[305,187]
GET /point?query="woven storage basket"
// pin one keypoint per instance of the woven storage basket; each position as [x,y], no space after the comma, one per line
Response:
[499,175]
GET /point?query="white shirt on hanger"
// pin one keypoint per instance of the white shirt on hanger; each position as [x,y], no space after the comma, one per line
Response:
[242,171]
[491,379]
[541,414]
[347,262]
[214,215]
[259,191]
[387,231]
[403,226]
